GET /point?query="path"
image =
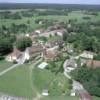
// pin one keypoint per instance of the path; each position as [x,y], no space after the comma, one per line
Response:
[9,69]
[76,85]
[32,66]
[20,61]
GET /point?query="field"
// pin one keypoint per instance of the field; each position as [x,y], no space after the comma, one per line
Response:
[27,83]
[72,15]
[96,98]
[44,79]
[4,65]
[17,82]
[60,98]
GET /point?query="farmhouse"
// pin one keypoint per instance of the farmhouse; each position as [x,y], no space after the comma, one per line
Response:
[32,50]
[50,54]
[14,56]
[54,43]
[58,32]
[87,54]
[69,65]
[39,31]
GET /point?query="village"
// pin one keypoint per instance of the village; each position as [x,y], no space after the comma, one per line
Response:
[53,50]
[49,52]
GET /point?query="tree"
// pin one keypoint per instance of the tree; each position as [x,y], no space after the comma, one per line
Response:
[6,45]
[65,35]
[90,78]
[23,43]
[97,57]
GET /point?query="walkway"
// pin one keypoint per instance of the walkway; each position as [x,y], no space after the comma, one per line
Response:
[76,85]
[9,69]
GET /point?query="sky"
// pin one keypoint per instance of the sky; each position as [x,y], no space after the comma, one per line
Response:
[53,1]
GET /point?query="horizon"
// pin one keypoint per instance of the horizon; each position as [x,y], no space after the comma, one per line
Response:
[82,2]
[45,3]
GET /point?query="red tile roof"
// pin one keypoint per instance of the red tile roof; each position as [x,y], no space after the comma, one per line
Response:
[33,49]
[50,54]
[85,96]
[93,63]
[15,52]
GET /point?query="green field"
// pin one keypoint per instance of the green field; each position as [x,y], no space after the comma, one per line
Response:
[4,65]
[17,82]
[56,84]
[72,15]
[96,98]
[60,98]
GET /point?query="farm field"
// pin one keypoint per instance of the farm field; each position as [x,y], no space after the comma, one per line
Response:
[72,15]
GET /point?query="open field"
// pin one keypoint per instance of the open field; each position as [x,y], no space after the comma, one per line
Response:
[60,98]
[27,80]
[17,82]
[56,84]
[72,15]
[4,65]
[96,98]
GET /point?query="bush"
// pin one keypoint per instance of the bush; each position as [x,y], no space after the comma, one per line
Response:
[23,43]
[1,57]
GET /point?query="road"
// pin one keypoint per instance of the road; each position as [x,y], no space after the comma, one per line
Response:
[21,61]
[76,85]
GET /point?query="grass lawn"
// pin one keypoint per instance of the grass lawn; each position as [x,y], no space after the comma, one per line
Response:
[60,98]
[17,82]
[4,65]
[96,98]
[56,84]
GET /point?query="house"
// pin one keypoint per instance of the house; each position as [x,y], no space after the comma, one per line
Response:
[14,56]
[58,32]
[68,49]
[72,93]
[52,28]
[50,54]
[27,35]
[69,65]
[93,63]
[84,96]
[39,31]
[32,50]
[87,54]
[54,43]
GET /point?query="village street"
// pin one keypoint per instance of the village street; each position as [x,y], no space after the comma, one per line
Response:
[77,87]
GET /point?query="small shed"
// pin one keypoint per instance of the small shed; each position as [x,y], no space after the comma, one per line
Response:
[45,92]
[42,65]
